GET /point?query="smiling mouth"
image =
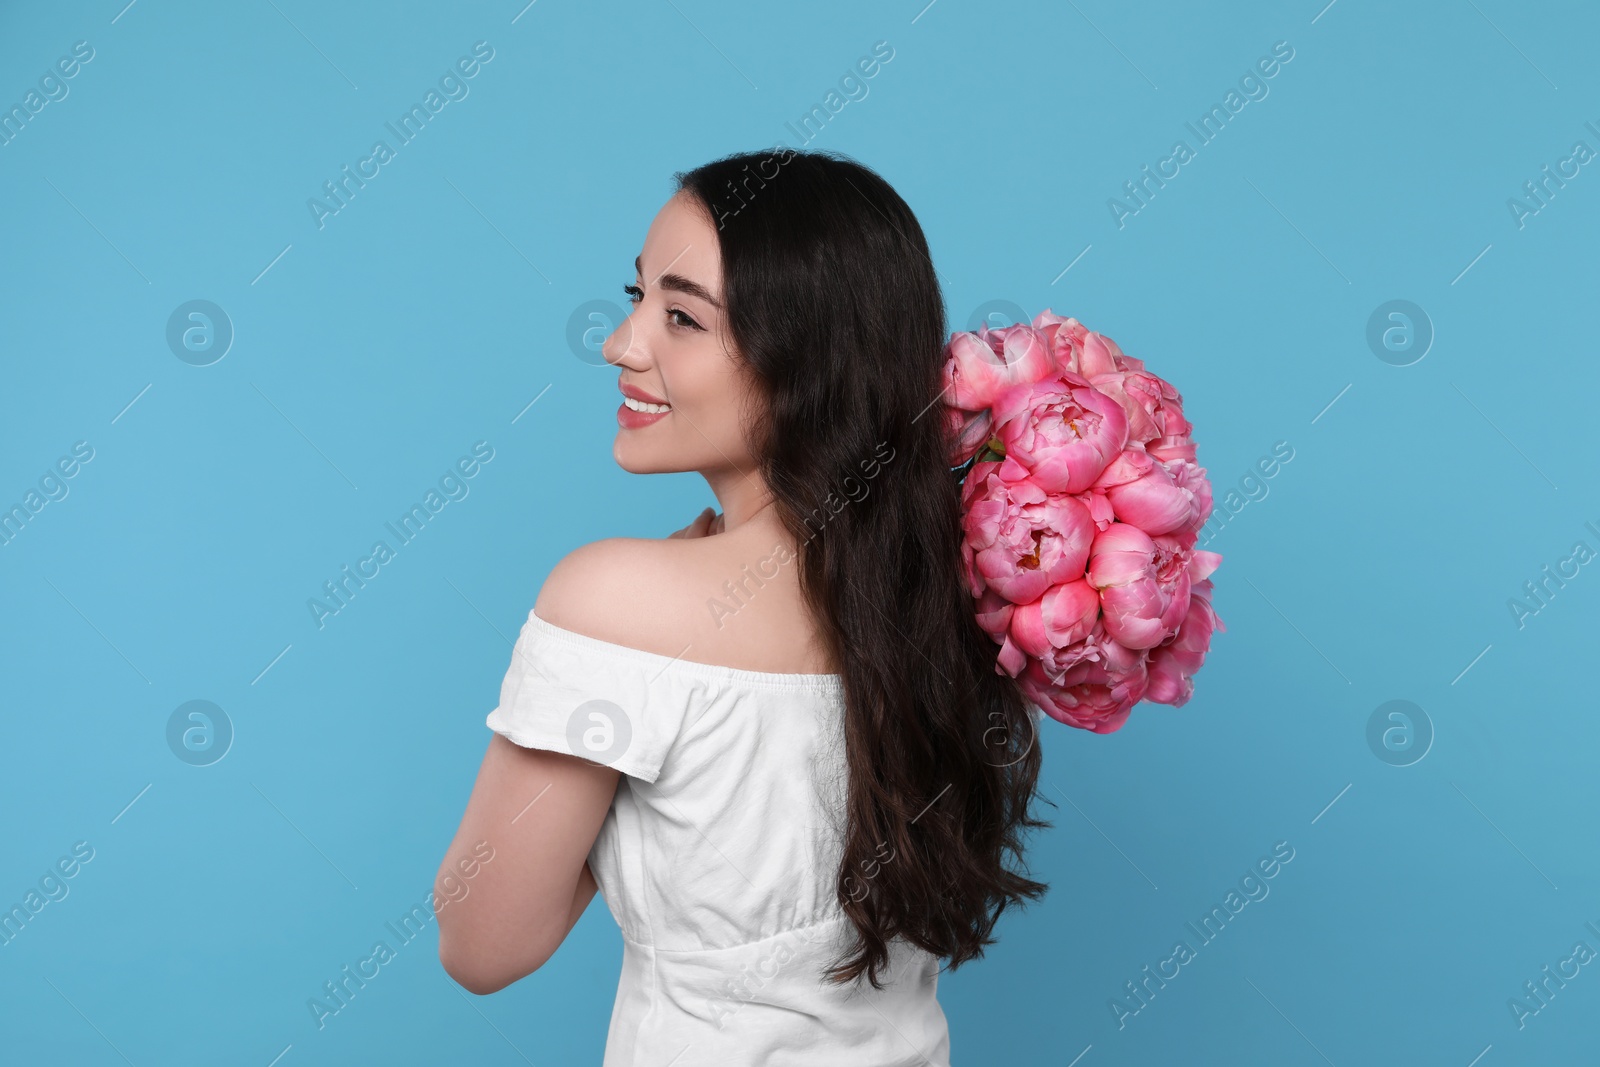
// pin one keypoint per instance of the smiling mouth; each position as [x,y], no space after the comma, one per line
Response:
[649,409]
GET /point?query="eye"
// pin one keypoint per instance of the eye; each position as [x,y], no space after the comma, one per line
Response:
[682,322]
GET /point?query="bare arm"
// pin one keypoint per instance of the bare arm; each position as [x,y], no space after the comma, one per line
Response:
[587,888]
[541,812]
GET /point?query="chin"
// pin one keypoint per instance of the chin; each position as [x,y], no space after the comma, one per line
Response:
[634,459]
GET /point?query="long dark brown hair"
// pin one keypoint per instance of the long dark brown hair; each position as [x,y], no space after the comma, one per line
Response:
[832,300]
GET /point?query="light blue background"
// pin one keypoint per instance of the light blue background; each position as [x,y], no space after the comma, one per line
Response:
[428,313]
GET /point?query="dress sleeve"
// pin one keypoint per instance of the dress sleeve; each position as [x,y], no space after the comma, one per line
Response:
[570,693]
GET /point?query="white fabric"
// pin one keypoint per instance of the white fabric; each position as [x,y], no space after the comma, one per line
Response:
[718,859]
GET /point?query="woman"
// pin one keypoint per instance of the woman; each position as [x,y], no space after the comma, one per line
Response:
[804,778]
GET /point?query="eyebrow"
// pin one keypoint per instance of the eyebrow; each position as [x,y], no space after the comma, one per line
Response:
[679,283]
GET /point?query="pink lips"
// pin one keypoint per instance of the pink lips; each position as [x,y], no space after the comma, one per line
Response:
[629,419]
[638,394]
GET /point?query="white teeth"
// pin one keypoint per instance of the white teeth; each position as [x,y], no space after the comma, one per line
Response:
[640,405]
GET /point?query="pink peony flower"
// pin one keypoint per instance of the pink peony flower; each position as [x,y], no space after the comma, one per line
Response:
[1172,664]
[1080,521]
[1057,626]
[1147,493]
[1192,478]
[1062,431]
[978,366]
[1154,409]
[968,431]
[1143,584]
[1081,350]
[1171,449]
[1099,505]
[994,613]
[1023,539]
[1090,696]
[1064,337]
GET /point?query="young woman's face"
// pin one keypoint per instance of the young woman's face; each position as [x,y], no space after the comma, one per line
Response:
[673,349]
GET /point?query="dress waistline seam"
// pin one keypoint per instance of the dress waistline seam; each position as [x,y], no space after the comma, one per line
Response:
[834,921]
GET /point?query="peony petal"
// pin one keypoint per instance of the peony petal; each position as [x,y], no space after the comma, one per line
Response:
[1202,564]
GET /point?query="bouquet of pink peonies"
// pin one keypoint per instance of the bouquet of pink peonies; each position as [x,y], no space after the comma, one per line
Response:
[1081,506]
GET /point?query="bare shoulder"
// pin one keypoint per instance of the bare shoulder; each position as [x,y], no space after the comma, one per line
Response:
[628,590]
[726,600]
[597,588]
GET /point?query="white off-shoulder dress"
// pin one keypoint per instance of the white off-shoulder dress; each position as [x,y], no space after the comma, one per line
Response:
[718,858]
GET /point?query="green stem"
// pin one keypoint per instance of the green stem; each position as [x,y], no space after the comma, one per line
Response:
[992,449]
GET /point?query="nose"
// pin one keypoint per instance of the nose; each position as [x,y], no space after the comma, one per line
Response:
[621,348]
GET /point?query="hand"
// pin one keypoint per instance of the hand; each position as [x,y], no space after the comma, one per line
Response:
[708,522]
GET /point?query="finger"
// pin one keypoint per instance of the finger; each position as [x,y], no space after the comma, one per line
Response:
[697,528]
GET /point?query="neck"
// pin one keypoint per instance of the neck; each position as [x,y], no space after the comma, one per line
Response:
[741,497]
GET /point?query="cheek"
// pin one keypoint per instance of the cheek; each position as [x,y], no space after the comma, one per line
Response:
[705,388]
[725,418]
[705,426]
